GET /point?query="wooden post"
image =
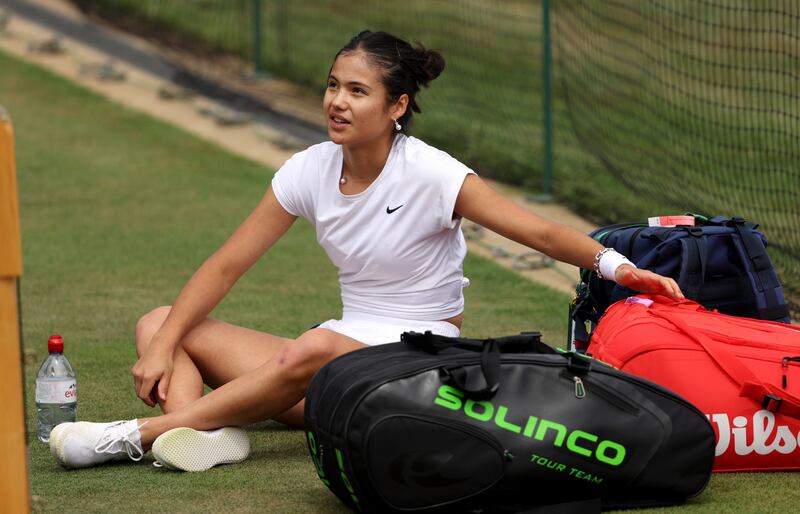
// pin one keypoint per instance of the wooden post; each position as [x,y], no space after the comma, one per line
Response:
[13,445]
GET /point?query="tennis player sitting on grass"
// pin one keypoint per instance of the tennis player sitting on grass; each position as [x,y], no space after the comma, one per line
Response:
[387,210]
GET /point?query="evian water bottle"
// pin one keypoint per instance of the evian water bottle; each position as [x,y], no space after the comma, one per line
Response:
[56,390]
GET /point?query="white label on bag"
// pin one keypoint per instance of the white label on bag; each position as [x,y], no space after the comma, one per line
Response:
[782,441]
[57,391]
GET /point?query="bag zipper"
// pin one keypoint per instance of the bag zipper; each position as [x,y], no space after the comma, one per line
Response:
[580,390]
[605,231]
[417,371]
[612,396]
[663,392]
[433,365]
[482,435]
[785,368]
[323,399]
[737,342]
[640,321]
[467,358]
[585,386]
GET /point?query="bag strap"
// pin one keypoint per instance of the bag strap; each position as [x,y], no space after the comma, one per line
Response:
[694,256]
[491,351]
[768,396]
[490,370]
[755,256]
[762,275]
[526,342]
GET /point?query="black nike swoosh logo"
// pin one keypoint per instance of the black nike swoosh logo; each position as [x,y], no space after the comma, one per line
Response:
[389,211]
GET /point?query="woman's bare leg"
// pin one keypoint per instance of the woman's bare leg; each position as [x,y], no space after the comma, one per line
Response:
[214,352]
[247,391]
[187,383]
[262,393]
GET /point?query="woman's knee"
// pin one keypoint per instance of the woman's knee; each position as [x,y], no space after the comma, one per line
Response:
[149,325]
[309,352]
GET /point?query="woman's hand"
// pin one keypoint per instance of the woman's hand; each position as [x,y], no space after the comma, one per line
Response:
[153,371]
[646,281]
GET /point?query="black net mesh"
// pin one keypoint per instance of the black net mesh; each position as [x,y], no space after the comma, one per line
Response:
[660,106]
[485,109]
[692,106]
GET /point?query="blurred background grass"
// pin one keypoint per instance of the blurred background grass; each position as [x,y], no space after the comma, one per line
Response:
[659,106]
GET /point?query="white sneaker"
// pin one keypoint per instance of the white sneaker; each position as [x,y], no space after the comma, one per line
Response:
[84,444]
[188,449]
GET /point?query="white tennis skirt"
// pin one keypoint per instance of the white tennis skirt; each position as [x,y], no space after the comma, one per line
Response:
[372,330]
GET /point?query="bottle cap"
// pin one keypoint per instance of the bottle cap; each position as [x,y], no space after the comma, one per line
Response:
[55,344]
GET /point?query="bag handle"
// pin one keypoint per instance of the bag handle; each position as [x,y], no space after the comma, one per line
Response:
[526,342]
[490,371]
[768,396]
[694,255]
[491,351]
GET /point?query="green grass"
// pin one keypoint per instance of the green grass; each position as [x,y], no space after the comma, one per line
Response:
[117,211]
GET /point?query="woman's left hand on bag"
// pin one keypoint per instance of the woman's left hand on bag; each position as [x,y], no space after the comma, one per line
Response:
[647,282]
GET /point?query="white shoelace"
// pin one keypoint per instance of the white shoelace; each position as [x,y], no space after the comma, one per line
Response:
[116,438]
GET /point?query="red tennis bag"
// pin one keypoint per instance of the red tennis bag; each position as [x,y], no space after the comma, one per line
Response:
[743,373]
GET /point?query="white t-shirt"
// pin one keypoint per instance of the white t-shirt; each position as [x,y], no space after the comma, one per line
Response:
[398,248]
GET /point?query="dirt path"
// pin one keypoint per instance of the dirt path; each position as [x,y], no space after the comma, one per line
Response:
[153,95]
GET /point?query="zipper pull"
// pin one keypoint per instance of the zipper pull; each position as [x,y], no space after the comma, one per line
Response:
[785,367]
[580,391]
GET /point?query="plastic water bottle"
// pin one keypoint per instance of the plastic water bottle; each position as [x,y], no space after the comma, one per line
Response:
[56,390]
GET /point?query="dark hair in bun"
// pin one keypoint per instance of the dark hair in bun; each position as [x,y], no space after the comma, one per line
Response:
[404,68]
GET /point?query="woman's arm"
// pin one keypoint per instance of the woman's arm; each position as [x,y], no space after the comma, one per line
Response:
[206,288]
[479,203]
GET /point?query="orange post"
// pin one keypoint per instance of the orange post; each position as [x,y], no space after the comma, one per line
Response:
[13,463]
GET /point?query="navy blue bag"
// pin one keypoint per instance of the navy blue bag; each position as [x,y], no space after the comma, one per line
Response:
[721,263]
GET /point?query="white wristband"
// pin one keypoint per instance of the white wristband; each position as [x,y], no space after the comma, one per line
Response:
[609,262]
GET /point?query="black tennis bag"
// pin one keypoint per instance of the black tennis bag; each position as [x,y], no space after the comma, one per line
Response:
[435,424]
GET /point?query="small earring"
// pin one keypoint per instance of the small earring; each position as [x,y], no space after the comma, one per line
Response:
[397,126]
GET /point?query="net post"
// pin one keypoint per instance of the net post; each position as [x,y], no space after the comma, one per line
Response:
[258,69]
[547,70]
[546,194]
[13,441]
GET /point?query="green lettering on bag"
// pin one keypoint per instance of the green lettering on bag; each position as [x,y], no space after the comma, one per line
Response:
[501,422]
[579,442]
[572,442]
[486,415]
[449,398]
[529,426]
[618,449]
[345,480]
[312,443]
[561,431]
